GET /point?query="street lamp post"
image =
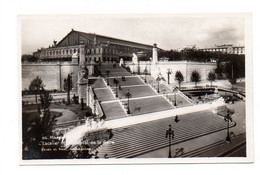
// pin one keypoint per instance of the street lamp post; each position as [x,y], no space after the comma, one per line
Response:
[128,95]
[169,71]
[145,73]
[170,134]
[95,101]
[158,79]
[174,90]
[116,81]
[138,68]
[107,72]
[227,119]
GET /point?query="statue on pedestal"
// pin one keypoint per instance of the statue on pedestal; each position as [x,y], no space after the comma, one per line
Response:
[135,59]
[75,58]
[121,62]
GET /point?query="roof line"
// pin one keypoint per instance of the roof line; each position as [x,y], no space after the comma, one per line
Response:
[98,35]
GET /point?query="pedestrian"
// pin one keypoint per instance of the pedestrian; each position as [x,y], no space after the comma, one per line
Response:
[176,119]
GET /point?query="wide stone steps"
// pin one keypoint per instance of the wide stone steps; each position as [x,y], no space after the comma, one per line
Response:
[145,137]
[148,138]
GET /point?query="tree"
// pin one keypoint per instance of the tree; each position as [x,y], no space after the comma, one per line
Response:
[45,99]
[68,85]
[211,77]
[36,86]
[219,70]
[30,58]
[195,77]
[40,127]
[231,72]
[179,77]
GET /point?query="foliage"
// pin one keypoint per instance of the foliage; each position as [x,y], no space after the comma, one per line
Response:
[45,99]
[75,99]
[108,72]
[41,125]
[68,85]
[36,86]
[231,72]
[171,54]
[219,70]
[179,77]
[211,77]
[195,77]
[238,61]
[30,58]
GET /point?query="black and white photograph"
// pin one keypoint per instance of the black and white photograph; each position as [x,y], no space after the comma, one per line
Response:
[143,88]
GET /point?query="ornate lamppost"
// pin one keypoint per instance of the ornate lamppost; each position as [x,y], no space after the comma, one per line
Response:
[116,81]
[145,73]
[159,78]
[175,90]
[108,72]
[170,134]
[169,71]
[128,95]
[95,103]
[228,118]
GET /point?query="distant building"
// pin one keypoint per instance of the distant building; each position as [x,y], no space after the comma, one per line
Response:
[226,48]
[93,47]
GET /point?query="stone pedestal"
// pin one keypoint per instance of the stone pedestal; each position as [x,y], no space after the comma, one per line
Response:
[82,55]
[82,89]
[82,83]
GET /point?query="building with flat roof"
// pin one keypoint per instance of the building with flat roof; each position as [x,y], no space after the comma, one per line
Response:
[225,48]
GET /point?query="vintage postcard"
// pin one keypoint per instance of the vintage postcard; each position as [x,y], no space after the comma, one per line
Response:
[116,89]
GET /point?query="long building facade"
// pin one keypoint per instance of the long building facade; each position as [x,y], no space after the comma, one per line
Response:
[226,48]
[94,47]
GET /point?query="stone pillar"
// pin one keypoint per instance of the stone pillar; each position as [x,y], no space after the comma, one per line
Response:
[82,55]
[155,54]
[82,83]
[154,66]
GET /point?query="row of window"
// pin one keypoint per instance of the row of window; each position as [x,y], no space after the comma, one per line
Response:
[61,52]
[234,50]
[89,51]
[105,59]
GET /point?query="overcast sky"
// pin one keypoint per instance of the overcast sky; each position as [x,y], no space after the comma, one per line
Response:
[168,31]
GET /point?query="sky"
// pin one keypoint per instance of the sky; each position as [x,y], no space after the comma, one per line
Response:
[167,31]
